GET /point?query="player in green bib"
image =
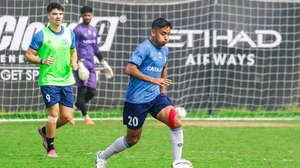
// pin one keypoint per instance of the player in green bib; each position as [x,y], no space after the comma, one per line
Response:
[57,56]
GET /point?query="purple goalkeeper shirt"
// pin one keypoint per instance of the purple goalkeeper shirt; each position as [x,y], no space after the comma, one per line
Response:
[86,41]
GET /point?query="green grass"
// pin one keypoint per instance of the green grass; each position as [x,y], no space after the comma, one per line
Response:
[242,112]
[207,147]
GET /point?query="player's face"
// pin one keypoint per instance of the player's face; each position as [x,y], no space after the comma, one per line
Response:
[87,17]
[161,35]
[55,17]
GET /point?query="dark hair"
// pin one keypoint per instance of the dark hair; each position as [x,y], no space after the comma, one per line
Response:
[86,9]
[160,22]
[54,5]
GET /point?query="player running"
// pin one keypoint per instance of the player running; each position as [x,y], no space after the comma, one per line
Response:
[57,56]
[87,46]
[146,93]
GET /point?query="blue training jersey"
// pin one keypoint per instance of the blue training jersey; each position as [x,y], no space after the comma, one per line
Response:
[150,61]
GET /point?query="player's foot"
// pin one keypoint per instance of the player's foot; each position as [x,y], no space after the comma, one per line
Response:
[88,122]
[99,162]
[44,138]
[72,122]
[51,153]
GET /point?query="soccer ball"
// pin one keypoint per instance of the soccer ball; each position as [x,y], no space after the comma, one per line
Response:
[182,163]
[181,111]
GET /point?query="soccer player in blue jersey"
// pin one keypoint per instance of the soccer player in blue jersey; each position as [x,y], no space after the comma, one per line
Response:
[57,57]
[87,46]
[146,93]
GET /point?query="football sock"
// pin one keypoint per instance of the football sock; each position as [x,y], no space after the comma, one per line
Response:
[50,143]
[119,145]
[86,117]
[176,137]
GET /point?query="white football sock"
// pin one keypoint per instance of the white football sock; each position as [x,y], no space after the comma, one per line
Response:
[119,145]
[86,117]
[176,137]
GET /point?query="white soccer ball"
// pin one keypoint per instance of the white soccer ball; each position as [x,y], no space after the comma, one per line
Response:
[182,163]
[181,111]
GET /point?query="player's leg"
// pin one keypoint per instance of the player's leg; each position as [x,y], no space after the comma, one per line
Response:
[168,115]
[51,125]
[134,116]
[65,105]
[130,139]
[51,98]
[80,102]
[90,93]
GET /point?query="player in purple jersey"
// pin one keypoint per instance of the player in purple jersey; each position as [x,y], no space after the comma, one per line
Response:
[146,93]
[87,46]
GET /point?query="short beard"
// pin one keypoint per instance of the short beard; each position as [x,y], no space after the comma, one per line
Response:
[86,22]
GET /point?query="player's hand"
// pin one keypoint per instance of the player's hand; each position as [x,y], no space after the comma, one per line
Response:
[83,72]
[107,70]
[48,61]
[74,66]
[162,82]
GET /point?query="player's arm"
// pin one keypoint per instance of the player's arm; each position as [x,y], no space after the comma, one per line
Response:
[74,59]
[31,57]
[35,45]
[133,71]
[164,75]
[77,37]
[108,72]
[97,52]
[73,51]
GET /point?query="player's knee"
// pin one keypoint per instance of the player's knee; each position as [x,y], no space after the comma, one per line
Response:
[93,93]
[177,122]
[66,117]
[80,103]
[174,119]
[52,119]
[132,140]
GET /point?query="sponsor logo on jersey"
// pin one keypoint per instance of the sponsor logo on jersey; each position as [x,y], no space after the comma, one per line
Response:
[154,69]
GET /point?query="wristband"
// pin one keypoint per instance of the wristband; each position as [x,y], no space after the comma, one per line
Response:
[41,61]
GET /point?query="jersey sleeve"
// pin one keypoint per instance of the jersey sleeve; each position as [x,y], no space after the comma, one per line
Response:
[37,41]
[96,45]
[73,39]
[138,56]
[77,37]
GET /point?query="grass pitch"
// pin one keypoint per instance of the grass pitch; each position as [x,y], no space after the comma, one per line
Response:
[274,144]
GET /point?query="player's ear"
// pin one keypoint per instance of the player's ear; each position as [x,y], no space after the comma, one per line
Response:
[153,32]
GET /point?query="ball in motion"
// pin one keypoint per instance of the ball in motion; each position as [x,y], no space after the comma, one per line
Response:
[182,163]
[181,111]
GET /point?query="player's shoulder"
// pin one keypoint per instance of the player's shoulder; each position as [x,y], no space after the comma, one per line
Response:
[165,48]
[66,28]
[39,34]
[77,27]
[145,44]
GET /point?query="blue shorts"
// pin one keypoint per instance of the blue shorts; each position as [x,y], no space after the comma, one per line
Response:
[134,115]
[58,94]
